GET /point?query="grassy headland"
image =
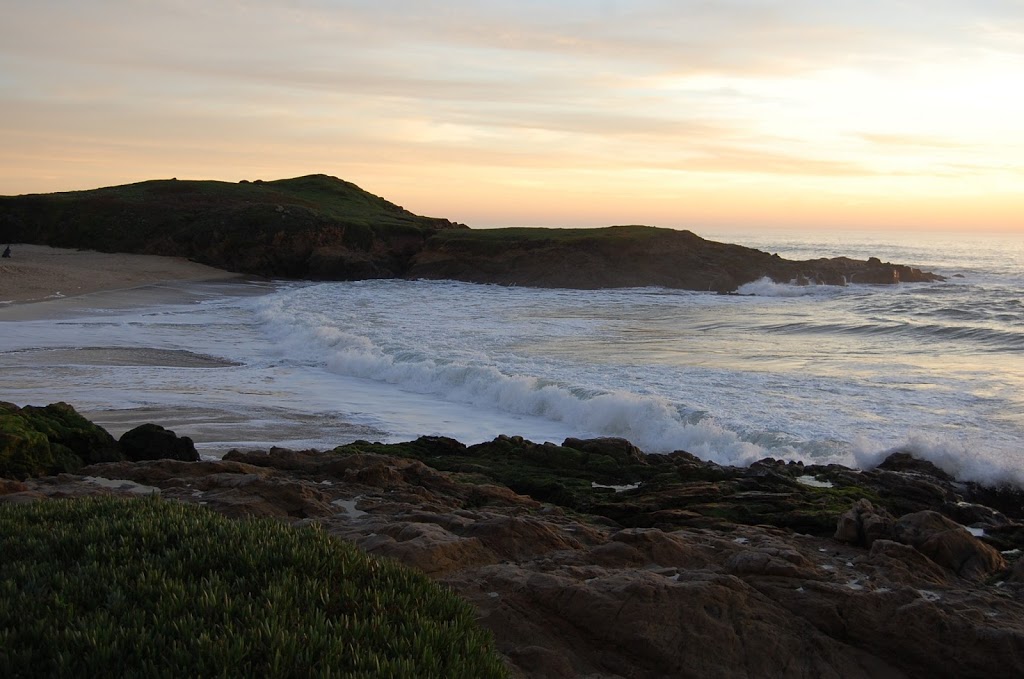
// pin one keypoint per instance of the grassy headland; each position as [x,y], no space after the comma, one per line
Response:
[323,228]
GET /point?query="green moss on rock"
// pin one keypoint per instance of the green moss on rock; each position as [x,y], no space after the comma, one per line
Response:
[49,440]
[24,451]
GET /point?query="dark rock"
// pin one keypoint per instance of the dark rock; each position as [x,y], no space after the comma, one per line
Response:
[566,595]
[1006,499]
[948,544]
[1017,573]
[153,442]
[627,256]
[661,548]
[905,493]
[970,514]
[517,537]
[905,462]
[863,524]
[1005,537]
[7,486]
[620,450]
[701,570]
[905,565]
[787,563]
[638,624]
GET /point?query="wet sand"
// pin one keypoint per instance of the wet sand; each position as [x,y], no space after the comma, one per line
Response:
[40,283]
[37,273]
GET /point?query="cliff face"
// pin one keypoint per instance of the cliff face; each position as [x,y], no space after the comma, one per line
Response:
[323,228]
[630,256]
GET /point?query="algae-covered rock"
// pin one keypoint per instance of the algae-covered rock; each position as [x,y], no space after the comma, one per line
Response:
[49,440]
[24,451]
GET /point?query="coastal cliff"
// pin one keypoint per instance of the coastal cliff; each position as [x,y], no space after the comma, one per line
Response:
[592,558]
[323,228]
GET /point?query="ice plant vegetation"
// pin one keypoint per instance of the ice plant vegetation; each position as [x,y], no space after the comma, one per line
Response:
[148,587]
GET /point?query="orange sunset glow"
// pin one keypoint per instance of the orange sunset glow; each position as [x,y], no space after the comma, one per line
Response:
[682,114]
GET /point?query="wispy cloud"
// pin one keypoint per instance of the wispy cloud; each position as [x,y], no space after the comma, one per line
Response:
[666,95]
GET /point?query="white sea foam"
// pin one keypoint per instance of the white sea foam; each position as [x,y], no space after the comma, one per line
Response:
[766,287]
[617,489]
[964,459]
[650,422]
[814,373]
[666,370]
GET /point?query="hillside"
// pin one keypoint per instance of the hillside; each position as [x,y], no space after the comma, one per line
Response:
[323,228]
[308,227]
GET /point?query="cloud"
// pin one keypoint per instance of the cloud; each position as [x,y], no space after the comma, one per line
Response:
[731,91]
[911,140]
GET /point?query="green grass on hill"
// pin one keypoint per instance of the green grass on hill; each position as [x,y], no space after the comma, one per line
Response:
[150,216]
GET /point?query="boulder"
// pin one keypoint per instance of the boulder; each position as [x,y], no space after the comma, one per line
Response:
[517,538]
[948,544]
[50,440]
[639,624]
[427,547]
[862,524]
[905,462]
[618,449]
[153,442]
[905,565]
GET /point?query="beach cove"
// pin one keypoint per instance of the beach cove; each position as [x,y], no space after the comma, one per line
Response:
[562,528]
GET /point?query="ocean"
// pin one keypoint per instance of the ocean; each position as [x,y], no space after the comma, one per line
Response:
[815,373]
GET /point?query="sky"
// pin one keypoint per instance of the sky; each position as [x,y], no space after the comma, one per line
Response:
[903,114]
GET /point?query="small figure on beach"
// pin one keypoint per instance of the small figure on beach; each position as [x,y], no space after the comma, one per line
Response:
[7,252]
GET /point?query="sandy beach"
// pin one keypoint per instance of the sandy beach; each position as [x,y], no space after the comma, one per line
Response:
[39,282]
[35,273]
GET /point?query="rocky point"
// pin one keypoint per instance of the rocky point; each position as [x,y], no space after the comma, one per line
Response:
[593,559]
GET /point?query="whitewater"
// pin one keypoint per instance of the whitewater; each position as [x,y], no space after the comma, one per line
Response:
[814,373]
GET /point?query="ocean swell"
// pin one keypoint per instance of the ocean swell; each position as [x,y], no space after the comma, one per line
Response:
[651,422]
[705,374]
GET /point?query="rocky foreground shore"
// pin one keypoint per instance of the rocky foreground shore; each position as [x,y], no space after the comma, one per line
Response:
[593,559]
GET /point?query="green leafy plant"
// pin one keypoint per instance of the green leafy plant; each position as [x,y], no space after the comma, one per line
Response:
[152,588]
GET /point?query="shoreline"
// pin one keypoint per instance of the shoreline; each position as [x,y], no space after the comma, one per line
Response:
[581,549]
[39,273]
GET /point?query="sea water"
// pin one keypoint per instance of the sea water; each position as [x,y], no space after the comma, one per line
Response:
[814,373]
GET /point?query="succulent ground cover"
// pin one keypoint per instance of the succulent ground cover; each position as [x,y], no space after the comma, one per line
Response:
[146,587]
